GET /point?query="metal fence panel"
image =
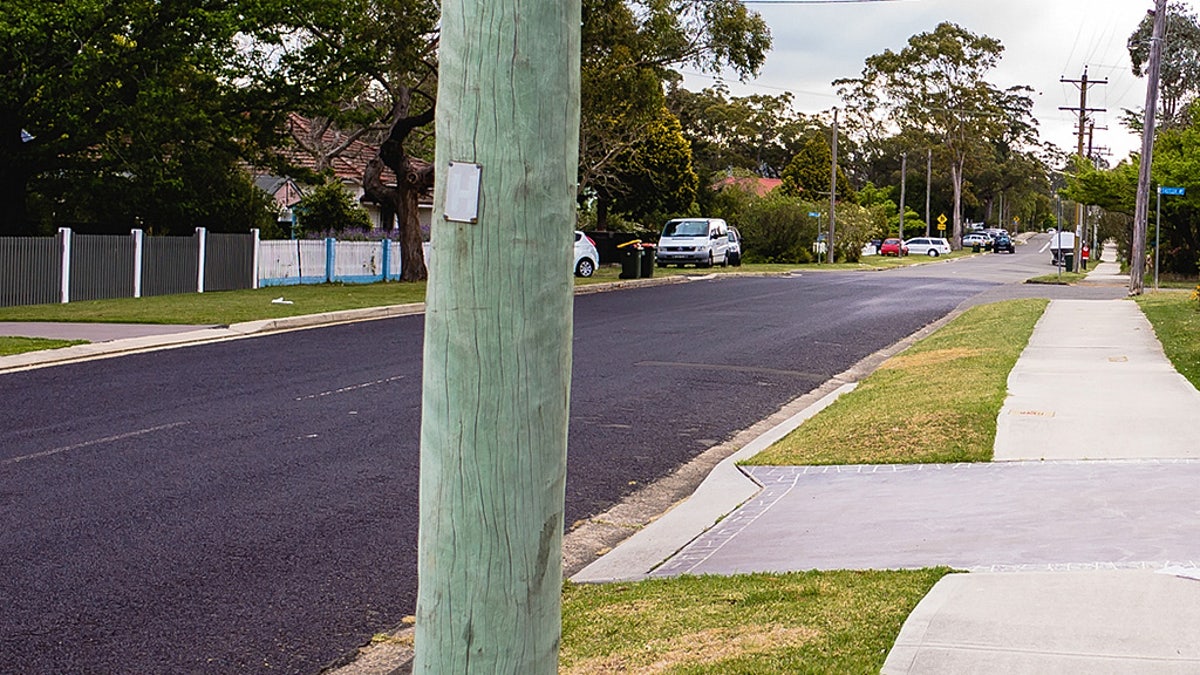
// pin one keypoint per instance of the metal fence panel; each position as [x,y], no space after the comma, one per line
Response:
[169,265]
[30,270]
[101,267]
[228,261]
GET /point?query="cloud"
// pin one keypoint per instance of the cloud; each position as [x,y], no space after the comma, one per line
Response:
[1044,40]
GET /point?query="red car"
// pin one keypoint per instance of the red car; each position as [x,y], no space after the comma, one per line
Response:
[894,247]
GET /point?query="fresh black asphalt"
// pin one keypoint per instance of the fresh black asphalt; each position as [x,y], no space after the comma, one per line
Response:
[250,506]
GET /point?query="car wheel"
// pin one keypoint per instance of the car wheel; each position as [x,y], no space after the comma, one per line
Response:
[585,268]
[737,261]
[707,264]
[933,253]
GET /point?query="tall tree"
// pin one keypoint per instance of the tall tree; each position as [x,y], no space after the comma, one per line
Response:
[629,48]
[386,55]
[756,133]
[100,87]
[656,172]
[807,175]
[936,85]
[1179,69]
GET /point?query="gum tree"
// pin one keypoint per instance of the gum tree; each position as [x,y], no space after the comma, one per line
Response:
[936,86]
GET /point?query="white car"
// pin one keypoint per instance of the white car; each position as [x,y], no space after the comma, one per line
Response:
[930,246]
[586,257]
[703,242]
[735,247]
[974,238]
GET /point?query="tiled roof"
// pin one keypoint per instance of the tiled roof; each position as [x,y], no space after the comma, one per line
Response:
[760,186]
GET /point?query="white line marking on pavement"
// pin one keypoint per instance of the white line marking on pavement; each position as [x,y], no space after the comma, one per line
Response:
[352,387]
[85,444]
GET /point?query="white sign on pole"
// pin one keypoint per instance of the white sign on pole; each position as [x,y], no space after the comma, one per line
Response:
[462,192]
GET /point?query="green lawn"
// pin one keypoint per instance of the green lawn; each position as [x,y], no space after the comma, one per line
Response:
[1176,320]
[1066,278]
[20,345]
[227,307]
[224,307]
[935,402]
[803,622]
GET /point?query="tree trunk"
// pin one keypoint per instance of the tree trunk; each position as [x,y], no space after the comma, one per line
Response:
[14,185]
[498,341]
[956,177]
[413,178]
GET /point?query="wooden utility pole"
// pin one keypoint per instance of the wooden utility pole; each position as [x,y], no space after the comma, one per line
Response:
[1083,83]
[928,184]
[1137,263]
[497,367]
[833,167]
[903,176]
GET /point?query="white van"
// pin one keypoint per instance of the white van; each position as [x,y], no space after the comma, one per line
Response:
[699,241]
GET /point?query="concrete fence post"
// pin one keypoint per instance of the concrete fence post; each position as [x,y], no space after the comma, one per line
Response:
[65,280]
[138,248]
[254,253]
[387,258]
[202,244]
[330,258]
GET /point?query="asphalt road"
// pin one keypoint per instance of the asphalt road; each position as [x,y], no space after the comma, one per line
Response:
[251,506]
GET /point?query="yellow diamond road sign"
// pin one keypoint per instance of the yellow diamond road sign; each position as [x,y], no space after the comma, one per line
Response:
[942,221]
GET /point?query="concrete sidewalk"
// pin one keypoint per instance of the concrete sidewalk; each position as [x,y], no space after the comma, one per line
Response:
[1066,557]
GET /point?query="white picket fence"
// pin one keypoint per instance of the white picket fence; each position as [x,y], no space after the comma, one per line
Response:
[308,261]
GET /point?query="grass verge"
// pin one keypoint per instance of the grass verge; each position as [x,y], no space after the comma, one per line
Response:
[20,345]
[802,622]
[1176,321]
[228,307]
[1064,279]
[936,402]
[224,307]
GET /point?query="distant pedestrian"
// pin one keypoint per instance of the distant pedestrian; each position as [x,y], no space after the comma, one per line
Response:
[1083,256]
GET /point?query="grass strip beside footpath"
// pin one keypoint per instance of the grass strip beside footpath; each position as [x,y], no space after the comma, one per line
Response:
[800,622]
[1176,321]
[1064,279]
[19,345]
[935,402]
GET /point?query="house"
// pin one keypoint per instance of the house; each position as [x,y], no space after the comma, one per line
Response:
[323,148]
[758,185]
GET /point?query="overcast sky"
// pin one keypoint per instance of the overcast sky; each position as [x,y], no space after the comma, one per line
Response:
[1044,40]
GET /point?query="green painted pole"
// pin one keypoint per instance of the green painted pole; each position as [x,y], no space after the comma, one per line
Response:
[497,367]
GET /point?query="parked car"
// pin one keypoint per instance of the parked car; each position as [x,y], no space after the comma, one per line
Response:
[893,246]
[700,241]
[586,256]
[735,247]
[977,238]
[1004,243]
[930,246]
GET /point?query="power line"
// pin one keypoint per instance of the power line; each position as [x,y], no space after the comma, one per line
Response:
[814,2]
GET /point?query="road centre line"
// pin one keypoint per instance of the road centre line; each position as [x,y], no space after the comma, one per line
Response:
[97,441]
[352,387]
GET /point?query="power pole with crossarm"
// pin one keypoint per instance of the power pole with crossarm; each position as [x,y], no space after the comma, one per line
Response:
[1083,83]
